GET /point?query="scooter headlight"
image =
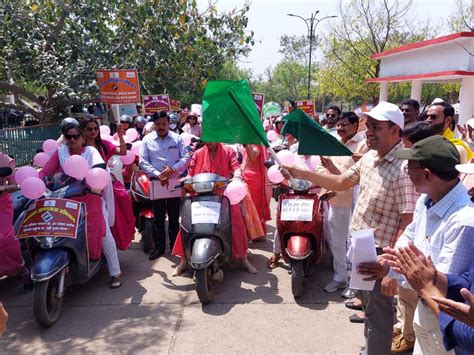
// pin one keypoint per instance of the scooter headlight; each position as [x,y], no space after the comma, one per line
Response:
[203,187]
[299,184]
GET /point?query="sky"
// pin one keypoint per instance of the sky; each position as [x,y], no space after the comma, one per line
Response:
[268,19]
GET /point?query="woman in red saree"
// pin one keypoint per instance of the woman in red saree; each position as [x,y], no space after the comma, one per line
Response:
[221,160]
[254,174]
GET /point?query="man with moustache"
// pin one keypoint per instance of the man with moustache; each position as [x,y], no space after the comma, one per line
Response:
[332,114]
[441,116]
[411,110]
[163,155]
[385,204]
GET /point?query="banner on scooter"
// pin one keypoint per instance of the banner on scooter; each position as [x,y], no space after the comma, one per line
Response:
[51,217]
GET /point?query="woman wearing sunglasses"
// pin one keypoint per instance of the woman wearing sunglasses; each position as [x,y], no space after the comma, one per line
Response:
[120,206]
[96,205]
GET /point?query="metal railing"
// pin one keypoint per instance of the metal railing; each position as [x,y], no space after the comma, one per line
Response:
[22,142]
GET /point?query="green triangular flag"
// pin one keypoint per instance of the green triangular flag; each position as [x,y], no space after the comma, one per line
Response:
[313,139]
[230,115]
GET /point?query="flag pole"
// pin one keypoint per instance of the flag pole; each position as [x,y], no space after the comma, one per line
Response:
[277,159]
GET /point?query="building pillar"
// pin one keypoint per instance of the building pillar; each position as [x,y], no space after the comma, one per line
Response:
[416,86]
[383,91]
[466,99]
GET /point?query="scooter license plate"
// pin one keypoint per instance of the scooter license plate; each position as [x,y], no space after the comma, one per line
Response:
[205,212]
[297,210]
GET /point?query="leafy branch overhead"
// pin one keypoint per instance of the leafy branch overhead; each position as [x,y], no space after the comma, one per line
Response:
[50,50]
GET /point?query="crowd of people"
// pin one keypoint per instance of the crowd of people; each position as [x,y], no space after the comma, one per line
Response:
[403,181]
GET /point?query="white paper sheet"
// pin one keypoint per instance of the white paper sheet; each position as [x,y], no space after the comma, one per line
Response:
[205,212]
[362,250]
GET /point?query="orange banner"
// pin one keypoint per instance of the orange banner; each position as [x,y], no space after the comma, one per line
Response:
[118,86]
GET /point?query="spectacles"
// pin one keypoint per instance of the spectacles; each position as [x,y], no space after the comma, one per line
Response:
[332,115]
[72,136]
[125,122]
[92,129]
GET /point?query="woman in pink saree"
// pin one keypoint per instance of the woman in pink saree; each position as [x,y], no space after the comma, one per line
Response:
[254,174]
[11,260]
[221,160]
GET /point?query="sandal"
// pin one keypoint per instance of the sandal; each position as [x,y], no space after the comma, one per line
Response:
[273,261]
[355,318]
[357,306]
[116,281]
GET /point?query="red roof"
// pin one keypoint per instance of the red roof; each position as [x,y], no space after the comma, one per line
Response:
[450,73]
[416,45]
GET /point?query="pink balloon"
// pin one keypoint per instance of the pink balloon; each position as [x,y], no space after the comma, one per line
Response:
[128,159]
[76,166]
[235,192]
[25,172]
[274,174]
[41,159]
[97,178]
[104,131]
[315,160]
[272,135]
[50,145]
[186,138]
[106,137]
[136,148]
[286,157]
[132,133]
[33,187]
[126,139]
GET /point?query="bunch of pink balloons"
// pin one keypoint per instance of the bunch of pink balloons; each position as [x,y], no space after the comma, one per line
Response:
[40,159]
[186,138]
[25,172]
[136,147]
[106,137]
[97,178]
[33,187]
[274,174]
[76,166]
[286,157]
[50,145]
[235,192]
[129,158]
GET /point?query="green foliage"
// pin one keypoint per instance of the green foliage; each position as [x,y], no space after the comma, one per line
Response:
[57,46]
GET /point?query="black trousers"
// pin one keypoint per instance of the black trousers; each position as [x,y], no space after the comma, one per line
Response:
[161,208]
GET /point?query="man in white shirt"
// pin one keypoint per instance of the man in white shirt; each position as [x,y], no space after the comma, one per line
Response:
[442,227]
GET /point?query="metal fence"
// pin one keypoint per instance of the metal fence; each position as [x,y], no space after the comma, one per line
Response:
[22,142]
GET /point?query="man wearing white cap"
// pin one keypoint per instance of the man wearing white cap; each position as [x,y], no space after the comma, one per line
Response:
[386,203]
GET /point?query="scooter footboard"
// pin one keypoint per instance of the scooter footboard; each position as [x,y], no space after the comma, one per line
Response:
[48,263]
[205,251]
[299,247]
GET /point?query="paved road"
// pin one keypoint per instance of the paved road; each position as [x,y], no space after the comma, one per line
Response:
[156,313]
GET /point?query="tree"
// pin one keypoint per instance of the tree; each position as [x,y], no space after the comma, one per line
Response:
[366,27]
[462,19]
[50,50]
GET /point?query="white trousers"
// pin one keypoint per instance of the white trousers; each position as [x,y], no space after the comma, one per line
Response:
[429,339]
[276,243]
[336,230]
[109,248]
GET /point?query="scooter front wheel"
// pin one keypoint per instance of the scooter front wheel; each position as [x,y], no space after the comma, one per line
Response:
[297,277]
[47,304]
[205,285]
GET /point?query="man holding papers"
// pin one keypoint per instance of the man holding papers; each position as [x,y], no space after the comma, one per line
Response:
[385,204]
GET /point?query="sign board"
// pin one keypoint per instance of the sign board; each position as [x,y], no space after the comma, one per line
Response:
[51,217]
[304,105]
[205,212]
[297,210]
[175,105]
[259,100]
[128,109]
[156,103]
[118,86]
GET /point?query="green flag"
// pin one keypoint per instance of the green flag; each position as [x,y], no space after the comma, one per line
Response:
[271,108]
[313,139]
[229,114]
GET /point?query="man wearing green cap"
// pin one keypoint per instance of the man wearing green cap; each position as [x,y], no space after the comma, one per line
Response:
[442,227]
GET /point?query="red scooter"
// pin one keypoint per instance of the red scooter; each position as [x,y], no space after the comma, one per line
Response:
[143,208]
[300,229]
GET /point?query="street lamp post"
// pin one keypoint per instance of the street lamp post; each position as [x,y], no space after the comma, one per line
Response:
[311,24]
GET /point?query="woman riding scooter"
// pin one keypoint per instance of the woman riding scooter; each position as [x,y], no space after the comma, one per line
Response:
[96,206]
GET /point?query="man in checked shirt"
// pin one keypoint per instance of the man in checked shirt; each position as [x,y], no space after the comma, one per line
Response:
[385,204]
